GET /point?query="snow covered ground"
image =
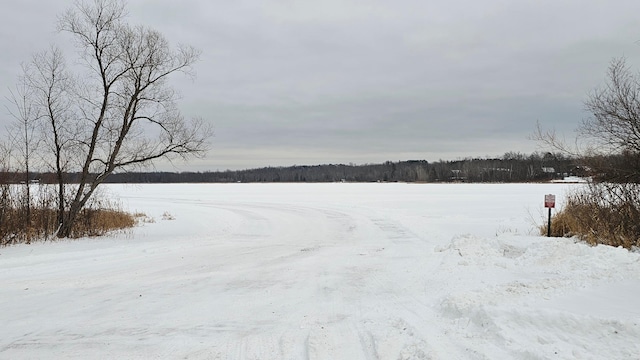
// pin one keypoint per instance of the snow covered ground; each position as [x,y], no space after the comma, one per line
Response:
[323,271]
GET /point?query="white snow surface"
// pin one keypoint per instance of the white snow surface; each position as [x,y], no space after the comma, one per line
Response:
[323,271]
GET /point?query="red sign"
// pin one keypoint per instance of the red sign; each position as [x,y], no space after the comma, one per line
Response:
[549,201]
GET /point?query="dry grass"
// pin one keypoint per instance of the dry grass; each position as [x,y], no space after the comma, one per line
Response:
[98,222]
[25,221]
[606,214]
[167,216]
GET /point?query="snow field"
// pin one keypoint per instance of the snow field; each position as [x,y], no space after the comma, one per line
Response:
[323,271]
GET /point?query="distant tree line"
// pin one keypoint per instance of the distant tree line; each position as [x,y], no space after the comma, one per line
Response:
[511,167]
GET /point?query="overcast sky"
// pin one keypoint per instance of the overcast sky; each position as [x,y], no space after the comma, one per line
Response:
[287,82]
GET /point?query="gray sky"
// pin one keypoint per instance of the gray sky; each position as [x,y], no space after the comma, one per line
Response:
[287,82]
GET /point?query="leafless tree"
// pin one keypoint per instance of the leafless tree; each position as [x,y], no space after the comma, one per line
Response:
[51,88]
[614,125]
[615,122]
[608,141]
[118,111]
[23,138]
[609,147]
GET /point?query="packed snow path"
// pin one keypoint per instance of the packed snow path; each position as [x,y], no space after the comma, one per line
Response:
[323,271]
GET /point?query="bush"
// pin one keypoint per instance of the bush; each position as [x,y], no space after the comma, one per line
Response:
[24,219]
[601,213]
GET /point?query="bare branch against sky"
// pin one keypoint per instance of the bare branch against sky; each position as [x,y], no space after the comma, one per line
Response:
[305,82]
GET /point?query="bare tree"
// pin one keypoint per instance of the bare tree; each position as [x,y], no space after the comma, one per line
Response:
[50,87]
[608,141]
[615,108]
[608,209]
[119,111]
[614,126]
[24,139]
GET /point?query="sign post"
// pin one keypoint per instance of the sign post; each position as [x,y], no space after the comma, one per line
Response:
[550,203]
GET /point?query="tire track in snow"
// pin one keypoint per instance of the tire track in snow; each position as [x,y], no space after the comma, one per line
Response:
[299,235]
[411,330]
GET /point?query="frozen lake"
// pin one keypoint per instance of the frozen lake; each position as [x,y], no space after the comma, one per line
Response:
[323,271]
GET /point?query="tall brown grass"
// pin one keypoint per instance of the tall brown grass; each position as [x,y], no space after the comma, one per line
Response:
[601,213]
[27,219]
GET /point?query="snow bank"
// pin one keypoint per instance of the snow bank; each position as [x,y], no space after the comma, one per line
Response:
[539,298]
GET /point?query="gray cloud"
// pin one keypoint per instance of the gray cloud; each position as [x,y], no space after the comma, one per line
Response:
[288,82]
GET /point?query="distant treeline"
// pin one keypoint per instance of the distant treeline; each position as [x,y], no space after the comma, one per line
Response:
[511,167]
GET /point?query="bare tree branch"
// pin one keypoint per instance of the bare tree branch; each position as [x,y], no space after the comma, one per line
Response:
[120,112]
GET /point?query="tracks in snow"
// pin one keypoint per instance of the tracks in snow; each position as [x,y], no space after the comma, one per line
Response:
[342,297]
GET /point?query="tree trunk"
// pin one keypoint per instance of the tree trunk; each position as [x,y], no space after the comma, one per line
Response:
[77,204]
[68,220]
[60,197]
[27,202]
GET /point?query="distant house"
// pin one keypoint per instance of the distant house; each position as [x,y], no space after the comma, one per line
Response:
[548,170]
[457,176]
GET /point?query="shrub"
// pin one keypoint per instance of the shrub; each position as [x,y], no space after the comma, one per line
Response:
[25,219]
[601,213]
